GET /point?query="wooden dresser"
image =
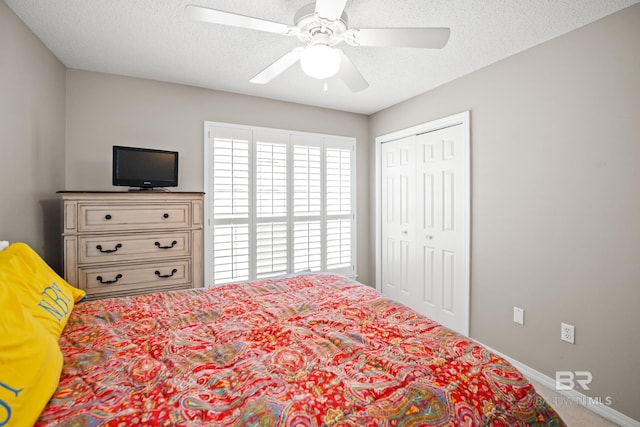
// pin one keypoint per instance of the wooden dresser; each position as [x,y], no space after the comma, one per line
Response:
[126,243]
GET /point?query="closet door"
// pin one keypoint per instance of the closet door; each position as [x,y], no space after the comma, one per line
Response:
[398,218]
[424,228]
[441,235]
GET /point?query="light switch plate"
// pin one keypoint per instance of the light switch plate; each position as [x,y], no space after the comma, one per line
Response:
[518,315]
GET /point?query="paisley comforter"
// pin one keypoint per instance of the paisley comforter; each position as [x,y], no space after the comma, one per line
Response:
[307,350]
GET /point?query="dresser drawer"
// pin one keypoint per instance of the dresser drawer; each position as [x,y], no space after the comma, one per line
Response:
[135,278]
[115,216]
[130,247]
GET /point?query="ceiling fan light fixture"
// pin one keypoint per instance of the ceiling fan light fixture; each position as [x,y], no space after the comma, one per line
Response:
[320,61]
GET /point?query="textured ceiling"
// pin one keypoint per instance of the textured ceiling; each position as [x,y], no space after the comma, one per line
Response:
[154,39]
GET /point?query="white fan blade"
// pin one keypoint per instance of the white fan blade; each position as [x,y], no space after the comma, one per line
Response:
[204,14]
[330,9]
[273,70]
[432,38]
[350,74]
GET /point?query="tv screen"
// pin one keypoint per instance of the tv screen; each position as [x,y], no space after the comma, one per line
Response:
[144,167]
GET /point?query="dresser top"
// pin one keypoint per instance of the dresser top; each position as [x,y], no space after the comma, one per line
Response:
[137,192]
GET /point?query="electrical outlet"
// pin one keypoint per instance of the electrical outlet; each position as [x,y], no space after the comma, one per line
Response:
[567,333]
[518,315]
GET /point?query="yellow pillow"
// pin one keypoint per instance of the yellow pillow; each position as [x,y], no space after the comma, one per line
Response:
[30,363]
[44,294]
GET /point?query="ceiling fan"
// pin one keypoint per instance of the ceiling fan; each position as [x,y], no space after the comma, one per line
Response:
[321,26]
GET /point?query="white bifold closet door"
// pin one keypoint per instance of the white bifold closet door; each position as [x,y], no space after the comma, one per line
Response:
[424,236]
[398,218]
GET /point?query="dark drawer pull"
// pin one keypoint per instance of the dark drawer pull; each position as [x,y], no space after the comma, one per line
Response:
[166,247]
[164,276]
[108,251]
[107,217]
[108,282]
[165,216]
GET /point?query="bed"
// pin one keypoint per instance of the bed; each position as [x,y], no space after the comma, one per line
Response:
[306,350]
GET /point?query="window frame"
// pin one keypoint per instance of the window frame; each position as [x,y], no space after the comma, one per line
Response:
[252,133]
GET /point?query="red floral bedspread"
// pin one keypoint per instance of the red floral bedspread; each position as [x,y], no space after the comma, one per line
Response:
[307,350]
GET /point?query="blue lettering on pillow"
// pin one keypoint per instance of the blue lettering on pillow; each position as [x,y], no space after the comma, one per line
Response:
[55,301]
[5,405]
[8,409]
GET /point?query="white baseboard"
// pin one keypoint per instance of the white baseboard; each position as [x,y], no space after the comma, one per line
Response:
[604,411]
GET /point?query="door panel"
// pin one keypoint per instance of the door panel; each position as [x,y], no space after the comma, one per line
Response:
[398,218]
[445,194]
[405,268]
[428,200]
[448,277]
[448,197]
[428,269]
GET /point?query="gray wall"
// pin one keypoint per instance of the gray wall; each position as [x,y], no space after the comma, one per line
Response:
[32,138]
[555,143]
[103,110]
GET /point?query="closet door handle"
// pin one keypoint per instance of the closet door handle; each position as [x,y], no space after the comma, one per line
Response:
[164,276]
[404,232]
[108,251]
[429,237]
[108,282]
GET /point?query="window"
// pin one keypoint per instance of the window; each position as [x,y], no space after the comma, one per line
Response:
[277,202]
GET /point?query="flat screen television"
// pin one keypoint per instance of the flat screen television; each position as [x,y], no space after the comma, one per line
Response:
[144,168]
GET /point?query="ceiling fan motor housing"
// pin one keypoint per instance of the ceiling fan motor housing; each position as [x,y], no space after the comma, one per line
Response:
[313,29]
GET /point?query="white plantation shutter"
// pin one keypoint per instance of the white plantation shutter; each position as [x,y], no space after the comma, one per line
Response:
[271,249]
[306,180]
[338,181]
[231,179]
[307,203]
[277,202]
[271,179]
[338,243]
[339,177]
[271,208]
[307,249]
[230,253]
